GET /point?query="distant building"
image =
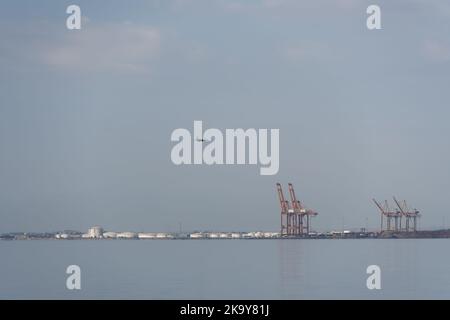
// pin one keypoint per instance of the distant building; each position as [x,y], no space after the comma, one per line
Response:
[270,234]
[95,232]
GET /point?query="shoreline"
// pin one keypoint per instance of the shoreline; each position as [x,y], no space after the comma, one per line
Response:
[436,234]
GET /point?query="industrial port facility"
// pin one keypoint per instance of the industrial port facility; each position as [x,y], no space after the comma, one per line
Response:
[296,221]
[398,221]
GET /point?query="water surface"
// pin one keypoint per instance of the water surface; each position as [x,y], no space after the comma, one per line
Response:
[226,269]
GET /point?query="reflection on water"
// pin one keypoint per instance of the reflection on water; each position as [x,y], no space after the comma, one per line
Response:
[292,268]
[226,269]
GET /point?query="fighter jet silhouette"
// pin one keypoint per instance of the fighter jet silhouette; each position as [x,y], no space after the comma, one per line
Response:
[203,140]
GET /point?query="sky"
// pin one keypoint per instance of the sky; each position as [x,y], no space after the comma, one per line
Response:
[86,115]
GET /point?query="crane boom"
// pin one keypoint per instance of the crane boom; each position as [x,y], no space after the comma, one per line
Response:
[399,206]
[295,203]
[379,206]
[283,203]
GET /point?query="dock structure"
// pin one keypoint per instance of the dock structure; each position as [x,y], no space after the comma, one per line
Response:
[394,217]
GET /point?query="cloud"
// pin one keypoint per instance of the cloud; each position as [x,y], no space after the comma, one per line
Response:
[436,51]
[287,6]
[308,52]
[123,47]
[273,3]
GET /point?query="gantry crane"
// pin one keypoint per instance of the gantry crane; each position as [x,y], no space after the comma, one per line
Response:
[285,212]
[295,219]
[303,215]
[409,215]
[390,215]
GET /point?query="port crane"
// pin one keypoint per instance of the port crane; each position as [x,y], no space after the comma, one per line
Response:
[391,216]
[295,218]
[301,212]
[410,215]
[285,212]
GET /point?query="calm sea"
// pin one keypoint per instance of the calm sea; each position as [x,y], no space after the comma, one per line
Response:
[226,269]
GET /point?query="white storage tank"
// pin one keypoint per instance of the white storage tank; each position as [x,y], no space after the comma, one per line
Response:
[146,235]
[196,235]
[127,235]
[110,235]
[162,235]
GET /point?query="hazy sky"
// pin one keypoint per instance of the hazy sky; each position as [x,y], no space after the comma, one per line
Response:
[86,116]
